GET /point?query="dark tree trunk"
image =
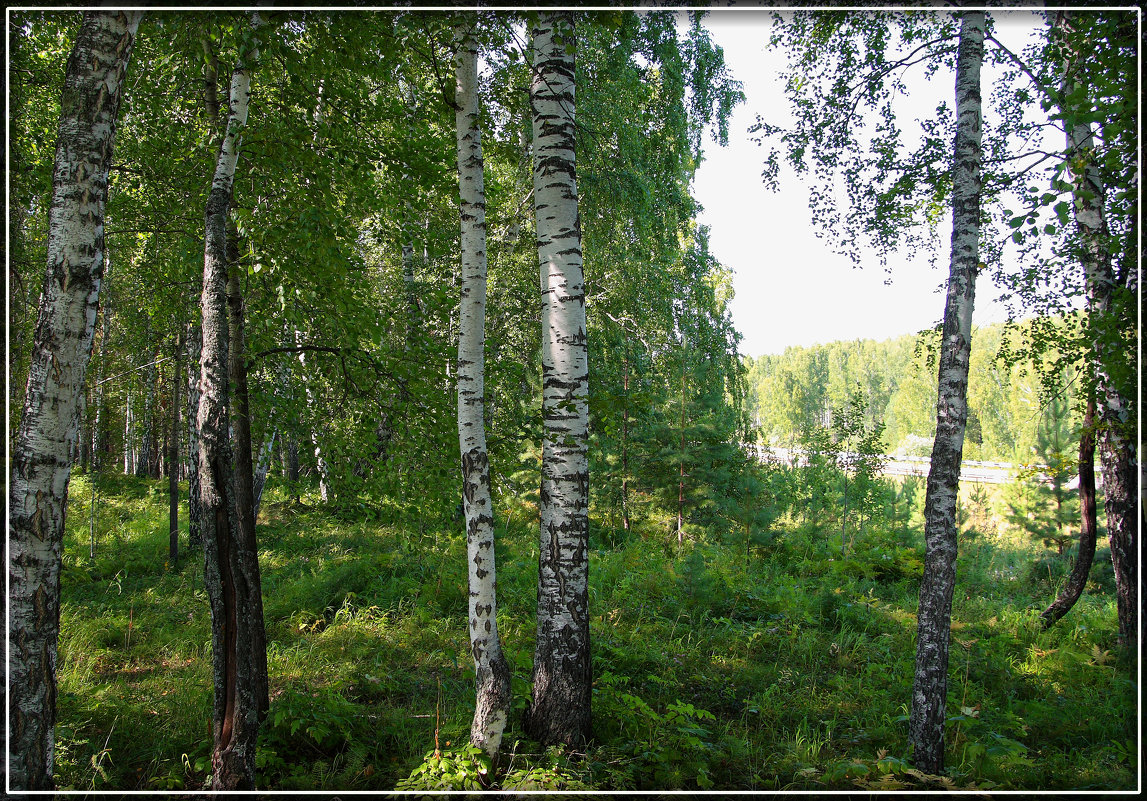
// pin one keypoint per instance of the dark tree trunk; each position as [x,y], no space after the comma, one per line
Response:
[231,583]
[934,614]
[45,441]
[1087,525]
[244,468]
[1114,407]
[291,466]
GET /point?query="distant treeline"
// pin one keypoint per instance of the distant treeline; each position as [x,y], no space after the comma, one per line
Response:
[1009,402]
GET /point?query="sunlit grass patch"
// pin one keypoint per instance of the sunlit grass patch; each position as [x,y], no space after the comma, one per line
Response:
[806,672]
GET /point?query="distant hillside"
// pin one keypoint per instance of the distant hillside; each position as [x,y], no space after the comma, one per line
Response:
[1007,419]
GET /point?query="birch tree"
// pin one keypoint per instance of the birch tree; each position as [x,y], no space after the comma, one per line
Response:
[930,684]
[243,464]
[173,458]
[232,585]
[41,461]
[1084,74]
[194,498]
[560,708]
[1116,448]
[492,672]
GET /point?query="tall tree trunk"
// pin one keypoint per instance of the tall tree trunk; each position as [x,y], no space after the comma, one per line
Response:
[128,437]
[563,675]
[144,465]
[98,443]
[681,466]
[261,470]
[1116,422]
[244,469]
[173,460]
[291,466]
[83,432]
[492,672]
[230,584]
[930,685]
[194,501]
[65,326]
[1073,589]
[625,524]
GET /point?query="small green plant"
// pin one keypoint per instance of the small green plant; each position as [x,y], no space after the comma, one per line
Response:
[673,748]
[466,768]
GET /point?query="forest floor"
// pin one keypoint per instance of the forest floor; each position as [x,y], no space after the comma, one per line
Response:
[784,667]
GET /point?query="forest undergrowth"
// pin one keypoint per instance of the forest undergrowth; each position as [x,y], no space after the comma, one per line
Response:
[782,665]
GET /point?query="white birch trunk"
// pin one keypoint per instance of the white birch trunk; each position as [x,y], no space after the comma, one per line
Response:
[231,585]
[194,503]
[262,468]
[560,709]
[930,685]
[1116,449]
[128,438]
[41,461]
[492,673]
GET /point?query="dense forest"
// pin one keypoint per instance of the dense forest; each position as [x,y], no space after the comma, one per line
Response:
[380,421]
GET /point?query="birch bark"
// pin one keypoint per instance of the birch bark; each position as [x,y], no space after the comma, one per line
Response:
[105,311]
[173,462]
[41,461]
[492,673]
[560,708]
[930,685]
[129,456]
[1116,448]
[261,470]
[194,501]
[244,468]
[230,582]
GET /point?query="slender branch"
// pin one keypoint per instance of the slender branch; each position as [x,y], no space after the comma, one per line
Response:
[294,349]
[1051,94]
[133,370]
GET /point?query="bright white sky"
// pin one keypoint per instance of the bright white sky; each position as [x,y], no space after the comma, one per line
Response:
[791,289]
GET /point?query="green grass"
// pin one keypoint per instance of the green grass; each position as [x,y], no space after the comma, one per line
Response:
[792,671]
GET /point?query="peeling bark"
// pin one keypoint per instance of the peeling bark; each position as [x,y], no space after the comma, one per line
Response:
[563,676]
[228,557]
[492,672]
[1116,419]
[45,442]
[244,468]
[934,615]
